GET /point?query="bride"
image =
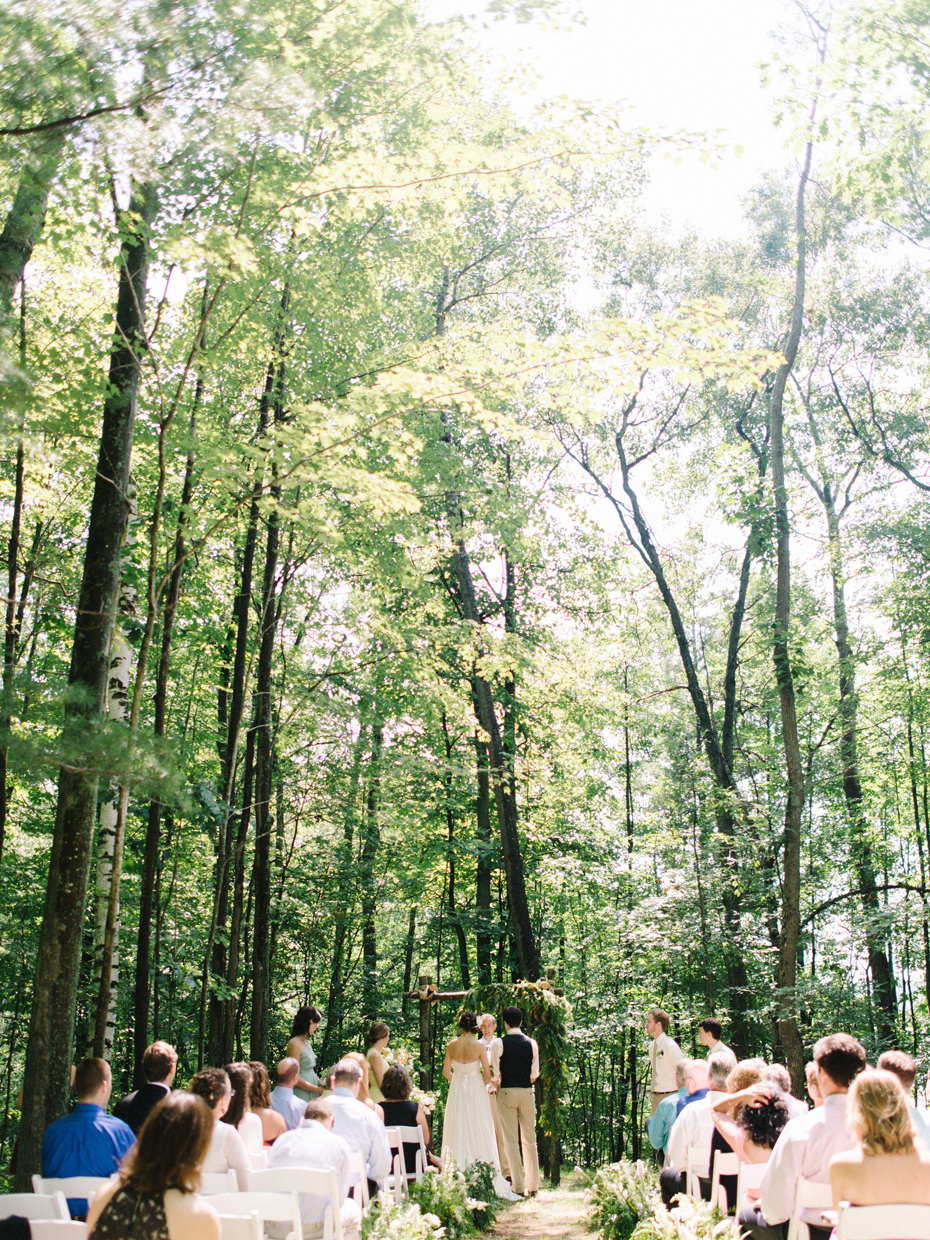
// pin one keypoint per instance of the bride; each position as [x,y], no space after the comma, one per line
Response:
[468,1126]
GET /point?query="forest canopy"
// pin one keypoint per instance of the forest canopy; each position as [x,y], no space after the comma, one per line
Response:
[418,564]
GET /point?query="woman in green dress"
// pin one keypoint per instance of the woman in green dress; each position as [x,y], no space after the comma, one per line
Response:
[305,1025]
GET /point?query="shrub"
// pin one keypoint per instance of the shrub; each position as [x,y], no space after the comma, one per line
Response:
[465,1202]
[385,1220]
[688,1220]
[621,1196]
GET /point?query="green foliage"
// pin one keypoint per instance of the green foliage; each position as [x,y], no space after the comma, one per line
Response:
[621,1196]
[688,1220]
[464,1201]
[386,1220]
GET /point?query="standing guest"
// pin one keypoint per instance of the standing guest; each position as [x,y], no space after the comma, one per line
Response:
[695,1125]
[226,1151]
[282,1096]
[88,1141]
[905,1070]
[155,1197]
[273,1125]
[304,1027]
[400,1111]
[807,1144]
[159,1063]
[813,1089]
[885,1166]
[239,1114]
[660,1125]
[357,1124]
[376,1039]
[663,1055]
[517,1070]
[709,1031]
[492,1048]
[314,1145]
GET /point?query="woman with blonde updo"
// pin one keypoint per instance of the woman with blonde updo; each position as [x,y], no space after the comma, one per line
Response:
[376,1039]
[885,1168]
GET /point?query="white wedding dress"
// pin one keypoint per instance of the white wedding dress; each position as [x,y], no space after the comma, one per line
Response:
[468,1126]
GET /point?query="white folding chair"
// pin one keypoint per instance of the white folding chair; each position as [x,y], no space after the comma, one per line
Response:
[214,1182]
[397,1178]
[895,1222]
[270,1207]
[750,1176]
[697,1163]
[259,1160]
[70,1187]
[724,1164]
[358,1174]
[56,1229]
[413,1135]
[35,1206]
[809,1196]
[241,1226]
[304,1180]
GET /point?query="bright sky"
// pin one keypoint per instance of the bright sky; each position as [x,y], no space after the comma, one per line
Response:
[680,64]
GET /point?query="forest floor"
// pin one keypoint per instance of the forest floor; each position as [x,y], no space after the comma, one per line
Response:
[555,1214]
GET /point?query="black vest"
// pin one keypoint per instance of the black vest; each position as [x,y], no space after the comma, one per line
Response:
[516,1061]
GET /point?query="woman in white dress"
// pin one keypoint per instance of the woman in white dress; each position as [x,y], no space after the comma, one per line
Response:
[468,1128]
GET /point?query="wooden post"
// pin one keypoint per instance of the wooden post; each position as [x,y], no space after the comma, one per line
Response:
[426,1067]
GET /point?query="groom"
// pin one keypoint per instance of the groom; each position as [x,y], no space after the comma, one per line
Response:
[516,1069]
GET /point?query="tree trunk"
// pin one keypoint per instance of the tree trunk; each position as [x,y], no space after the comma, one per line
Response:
[484,867]
[450,827]
[230,1004]
[26,218]
[51,1028]
[794,808]
[371,841]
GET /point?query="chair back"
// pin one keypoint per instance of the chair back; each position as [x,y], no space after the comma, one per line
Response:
[35,1206]
[397,1179]
[413,1135]
[57,1229]
[750,1176]
[214,1182]
[259,1160]
[697,1163]
[809,1195]
[724,1164]
[82,1187]
[270,1207]
[895,1222]
[358,1173]
[241,1226]
[305,1180]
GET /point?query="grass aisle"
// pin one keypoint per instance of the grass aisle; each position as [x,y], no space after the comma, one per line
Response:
[556,1214]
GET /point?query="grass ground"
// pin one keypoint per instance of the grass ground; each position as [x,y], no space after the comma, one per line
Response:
[555,1214]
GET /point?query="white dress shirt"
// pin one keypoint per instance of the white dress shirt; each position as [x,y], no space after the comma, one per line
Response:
[694,1126]
[719,1046]
[227,1153]
[921,1119]
[361,1130]
[250,1130]
[803,1149]
[315,1147]
[664,1054]
[493,1051]
[288,1105]
[497,1049]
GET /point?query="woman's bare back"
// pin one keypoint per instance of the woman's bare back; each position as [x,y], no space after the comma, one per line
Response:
[881,1179]
[465,1049]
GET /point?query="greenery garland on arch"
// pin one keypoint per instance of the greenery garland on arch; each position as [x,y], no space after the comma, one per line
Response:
[546,1017]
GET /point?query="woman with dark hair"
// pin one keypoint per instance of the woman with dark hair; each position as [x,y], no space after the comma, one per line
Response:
[304,1027]
[248,1126]
[155,1195]
[885,1167]
[273,1125]
[750,1121]
[376,1039]
[400,1111]
[468,1127]
[226,1151]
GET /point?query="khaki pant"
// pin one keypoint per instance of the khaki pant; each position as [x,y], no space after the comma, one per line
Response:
[499,1133]
[518,1115]
[657,1098]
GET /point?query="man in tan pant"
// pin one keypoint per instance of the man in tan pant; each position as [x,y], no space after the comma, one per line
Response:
[516,1069]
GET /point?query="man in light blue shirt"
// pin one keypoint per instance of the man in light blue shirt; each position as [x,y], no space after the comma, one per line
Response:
[666,1112]
[905,1070]
[283,1099]
[88,1141]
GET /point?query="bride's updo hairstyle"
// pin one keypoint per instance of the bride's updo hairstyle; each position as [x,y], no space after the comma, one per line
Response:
[468,1022]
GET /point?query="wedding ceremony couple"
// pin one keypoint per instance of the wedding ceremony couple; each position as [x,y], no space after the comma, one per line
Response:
[491,1110]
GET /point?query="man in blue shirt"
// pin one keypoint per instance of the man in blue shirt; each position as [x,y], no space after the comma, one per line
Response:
[660,1125]
[283,1098]
[88,1141]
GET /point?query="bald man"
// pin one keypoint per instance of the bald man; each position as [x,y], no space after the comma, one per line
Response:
[283,1099]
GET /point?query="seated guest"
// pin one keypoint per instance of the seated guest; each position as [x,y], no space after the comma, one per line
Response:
[665,1114]
[283,1099]
[313,1144]
[155,1197]
[747,1072]
[778,1074]
[358,1126]
[88,1141]
[749,1121]
[273,1124]
[807,1144]
[159,1063]
[697,1084]
[694,1126]
[885,1167]
[709,1031]
[226,1151]
[239,1113]
[401,1112]
[905,1070]
[813,1089]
